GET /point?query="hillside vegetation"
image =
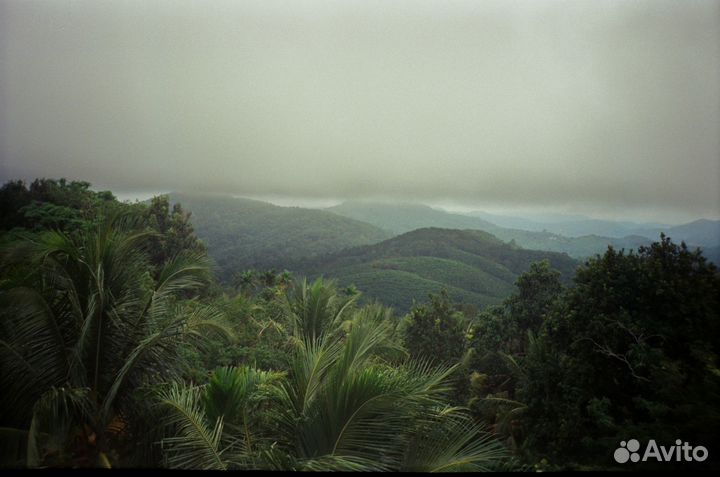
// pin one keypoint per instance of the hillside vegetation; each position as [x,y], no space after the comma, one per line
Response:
[249,234]
[120,349]
[475,267]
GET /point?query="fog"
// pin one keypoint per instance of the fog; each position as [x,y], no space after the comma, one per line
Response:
[610,108]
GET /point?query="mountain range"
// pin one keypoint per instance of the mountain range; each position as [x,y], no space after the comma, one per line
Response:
[241,234]
[400,218]
[702,232]
[397,253]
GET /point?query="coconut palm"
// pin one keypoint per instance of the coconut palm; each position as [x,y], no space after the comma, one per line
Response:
[348,401]
[317,308]
[83,326]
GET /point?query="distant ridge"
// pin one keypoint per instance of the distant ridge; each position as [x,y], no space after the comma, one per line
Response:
[245,233]
[702,232]
[404,218]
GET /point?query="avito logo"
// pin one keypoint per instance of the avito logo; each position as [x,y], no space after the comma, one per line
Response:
[680,452]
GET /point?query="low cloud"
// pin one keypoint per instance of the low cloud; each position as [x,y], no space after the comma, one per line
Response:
[598,105]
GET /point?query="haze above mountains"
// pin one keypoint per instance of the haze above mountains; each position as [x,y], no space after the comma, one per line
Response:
[405,217]
[599,106]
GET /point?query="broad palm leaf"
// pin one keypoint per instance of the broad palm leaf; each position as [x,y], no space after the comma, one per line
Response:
[214,426]
[196,444]
[316,308]
[89,316]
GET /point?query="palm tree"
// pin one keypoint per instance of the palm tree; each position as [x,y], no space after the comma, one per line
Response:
[83,325]
[350,400]
[317,308]
[284,278]
[246,281]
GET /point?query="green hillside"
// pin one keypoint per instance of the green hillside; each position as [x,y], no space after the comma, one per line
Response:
[242,233]
[400,218]
[476,267]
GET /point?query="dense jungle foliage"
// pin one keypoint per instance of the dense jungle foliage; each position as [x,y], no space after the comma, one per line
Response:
[119,348]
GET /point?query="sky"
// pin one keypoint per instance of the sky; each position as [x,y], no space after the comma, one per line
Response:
[605,107]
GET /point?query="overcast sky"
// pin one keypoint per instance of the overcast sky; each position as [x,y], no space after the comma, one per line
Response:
[604,107]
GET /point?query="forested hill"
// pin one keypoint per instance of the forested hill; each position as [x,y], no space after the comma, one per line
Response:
[241,233]
[400,218]
[476,267]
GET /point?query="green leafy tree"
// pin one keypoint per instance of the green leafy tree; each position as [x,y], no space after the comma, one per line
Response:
[537,291]
[501,338]
[632,350]
[174,232]
[49,204]
[48,216]
[262,324]
[435,331]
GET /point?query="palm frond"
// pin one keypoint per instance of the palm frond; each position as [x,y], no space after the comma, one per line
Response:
[316,308]
[32,348]
[339,463]
[452,443]
[184,272]
[368,335]
[195,445]
[231,390]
